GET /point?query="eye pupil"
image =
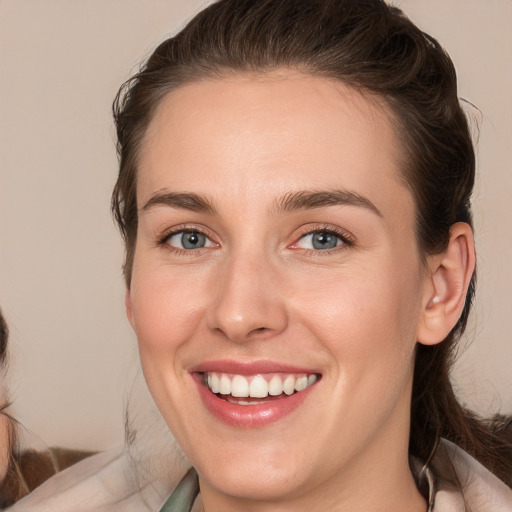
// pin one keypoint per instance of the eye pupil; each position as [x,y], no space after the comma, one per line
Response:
[193,240]
[324,241]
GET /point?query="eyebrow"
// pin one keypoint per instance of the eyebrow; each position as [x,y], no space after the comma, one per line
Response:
[293,201]
[182,200]
[307,199]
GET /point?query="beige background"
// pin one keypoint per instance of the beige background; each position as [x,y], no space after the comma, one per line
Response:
[61,62]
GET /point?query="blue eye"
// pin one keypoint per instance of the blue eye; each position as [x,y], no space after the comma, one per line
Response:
[189,240]
[320,240]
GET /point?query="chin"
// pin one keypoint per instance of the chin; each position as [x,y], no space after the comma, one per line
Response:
[253,481]
[262,470]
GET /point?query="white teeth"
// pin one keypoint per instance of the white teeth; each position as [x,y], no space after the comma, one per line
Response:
[214,385]
[301,383]
[275,386]
[289,385]
[258,387]
[239,386]
[225,385]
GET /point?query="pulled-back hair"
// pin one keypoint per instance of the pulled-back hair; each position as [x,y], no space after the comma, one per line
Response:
[375,48]
[4,334]
[11,432]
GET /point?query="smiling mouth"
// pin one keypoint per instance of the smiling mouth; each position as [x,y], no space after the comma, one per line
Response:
[256,389]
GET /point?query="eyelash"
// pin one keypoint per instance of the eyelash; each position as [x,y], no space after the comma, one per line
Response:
[164,238]
[346,239]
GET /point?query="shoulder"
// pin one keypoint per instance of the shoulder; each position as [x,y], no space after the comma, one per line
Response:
[104,482]
[88,485]
[136,478]
[481,490]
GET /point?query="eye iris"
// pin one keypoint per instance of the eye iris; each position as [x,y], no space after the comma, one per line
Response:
[324,241]
[193,240]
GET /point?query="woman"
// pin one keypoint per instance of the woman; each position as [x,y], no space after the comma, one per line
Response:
[294,194]
[7,430]
[21,471]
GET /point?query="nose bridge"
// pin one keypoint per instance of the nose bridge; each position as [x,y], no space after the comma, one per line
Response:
[247,298]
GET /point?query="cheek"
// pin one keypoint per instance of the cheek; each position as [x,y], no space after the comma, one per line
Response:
[363,317]
[167,312]
[166,307]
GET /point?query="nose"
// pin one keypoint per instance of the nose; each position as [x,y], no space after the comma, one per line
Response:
[249,302]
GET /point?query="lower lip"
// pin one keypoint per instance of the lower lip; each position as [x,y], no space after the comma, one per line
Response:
[250,416]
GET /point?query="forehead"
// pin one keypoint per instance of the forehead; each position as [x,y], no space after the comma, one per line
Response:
[293,130]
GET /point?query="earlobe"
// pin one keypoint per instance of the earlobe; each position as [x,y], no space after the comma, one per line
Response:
[448,277]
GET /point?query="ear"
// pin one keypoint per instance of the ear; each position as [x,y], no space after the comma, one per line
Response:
[128,307]
[449,275]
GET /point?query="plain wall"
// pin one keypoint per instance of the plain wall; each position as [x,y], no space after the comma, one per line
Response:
[61,289]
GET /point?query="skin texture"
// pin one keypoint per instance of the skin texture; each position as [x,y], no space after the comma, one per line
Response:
[258,290]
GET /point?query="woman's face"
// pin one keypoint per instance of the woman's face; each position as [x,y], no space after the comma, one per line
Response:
[276,250]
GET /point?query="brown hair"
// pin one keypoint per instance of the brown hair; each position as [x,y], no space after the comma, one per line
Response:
[4,334]
[11,424]
[27,469]
[373,47]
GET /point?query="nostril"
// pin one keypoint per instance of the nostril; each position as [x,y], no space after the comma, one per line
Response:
[258,331]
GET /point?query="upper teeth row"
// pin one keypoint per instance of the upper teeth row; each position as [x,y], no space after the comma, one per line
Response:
[257,386]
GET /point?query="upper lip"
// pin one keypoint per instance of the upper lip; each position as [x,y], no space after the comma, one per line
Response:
[249,367]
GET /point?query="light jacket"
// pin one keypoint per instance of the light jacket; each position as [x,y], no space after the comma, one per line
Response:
[107,483]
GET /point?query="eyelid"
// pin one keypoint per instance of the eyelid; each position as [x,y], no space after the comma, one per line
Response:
[185,228]
[347,238]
